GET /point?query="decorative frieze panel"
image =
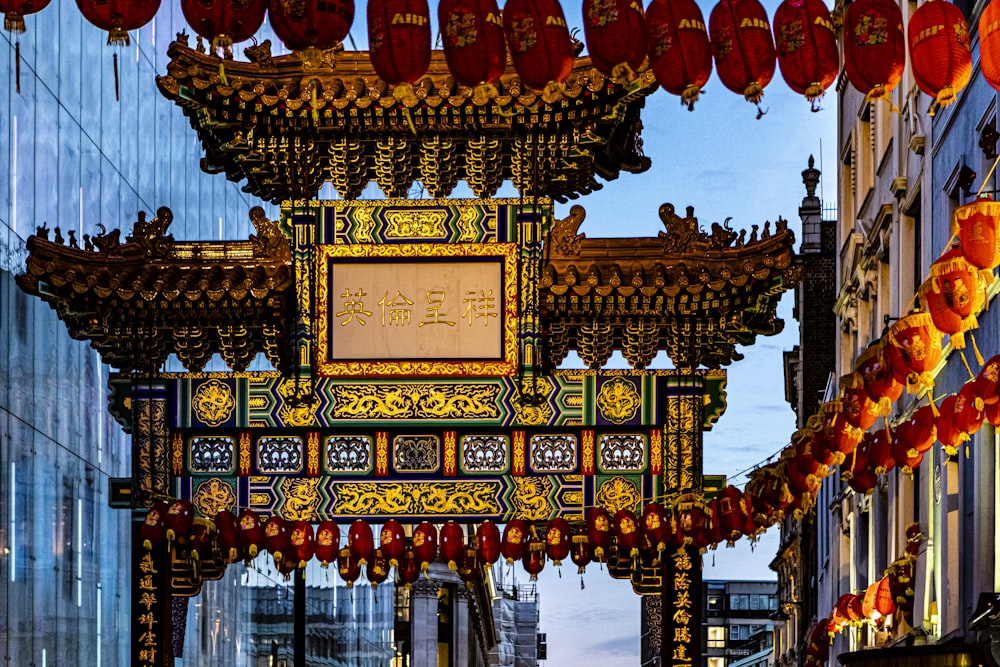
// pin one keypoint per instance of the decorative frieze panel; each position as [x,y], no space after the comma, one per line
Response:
[212,454]
[485,454]
[348,454]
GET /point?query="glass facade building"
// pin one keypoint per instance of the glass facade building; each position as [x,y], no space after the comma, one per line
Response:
[73,156]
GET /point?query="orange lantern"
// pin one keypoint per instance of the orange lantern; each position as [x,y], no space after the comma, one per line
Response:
[842,436]
[392,542]
[251,533]
[515,538]
[880,451]
[540,45]
[857,407]
[940,55]
[988,381]
[657,526]
[615,31]
[409,567]
[474,45]
[968,409]
[680,53]
[154,528]
[360,541]
[599,532]
[992,414]
[868,602]
[533,558]
[327,542]
[311,24]
[378,568]
[348,567]
[742,46]
[425,538]
[731,518]
[303,542]
[224,22]
[580,551]
[225,524]
[452,544]
[277,538]
[487,543]
[178,520]
[557,540]
[918,344]
[874,47]
[989,43]
[884,602]
[628,532]
[948,433]
[117,17]
[952,295]
[399,43]
[878,380]
[806,45]
[975,224]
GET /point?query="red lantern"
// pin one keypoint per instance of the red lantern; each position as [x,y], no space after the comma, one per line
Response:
[884,602]
[515,537]
[948,433]
[940,55]
[918,344]
[819,641]
[277,538]
[880,458]
[968,409]
[468,567]
[540,45]
[920,429]
[857,407]
[878,380]
[399,43]
[907,458]
[392,542]
[599,532]
[657,526]
[988,381]
[303,542]
[992,414]
[327,542]
[311,24]
[225,525]
[806,45]
[200,538]
[361,542]
[452,544]
[628,532]
[224,22]
[975,224]
[751,528]
[861,477]
[580,551]
[680,53]
[154,528]
[251,533]
[117,17]
[534,558]
[425,544]
[474,46]
[855,609]
[989,44]
[874,47]
[742,46]
[857,461]
[730,516]
[487,543]
[557,540]
[378,568]
[409,568]
[14,12]
[178,520]
[951,295]
[615,31]
[348,567]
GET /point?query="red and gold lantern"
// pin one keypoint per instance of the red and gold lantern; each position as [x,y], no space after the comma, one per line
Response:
[178,520]
[742,46]
[533,558]
[580,552]
[303,542]
[657,526]
[540,45]
[599,532]
[14,12]
[154,527]
[224,22]
[399,43]
[225,525]
[884,602]
[327,542]
[940,55]
[557,540]
[920,429]
[615,31]
[628,532]
[468,567]
[969,409]
[452,544]
[730,516]
[409,568]
[989,43]
[311,24]
[348,567]
[251,533]
[200,538]
[874,47]
[992,414]
[487,543]
[806,45]
[474,44]
[360,541]
[277,538]
[906,456]
[515,538]
[879,382]
[857,407]
[680,53]
[117,17]
[948,433]
[951,295]
[425,545]
[988,381]
[975,224]
[880,458]
[392,542]
[378,568]
[918,344]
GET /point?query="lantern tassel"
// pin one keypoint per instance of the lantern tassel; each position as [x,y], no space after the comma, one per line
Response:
[754,93]
[622,73]
[314,84]
[14,22]
[114,57]
[814,93]
[975,348]
[17,66]
[690,96]
[944,99]
[118,37]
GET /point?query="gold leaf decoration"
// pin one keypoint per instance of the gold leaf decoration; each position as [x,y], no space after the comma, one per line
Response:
[213,402]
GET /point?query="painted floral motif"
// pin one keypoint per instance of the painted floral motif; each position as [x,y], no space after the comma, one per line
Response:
[961,34]
[461,29]
[791,38]
[376,32]
[602,13]
[871,30]
[660,40]
[523,34]
[722,41]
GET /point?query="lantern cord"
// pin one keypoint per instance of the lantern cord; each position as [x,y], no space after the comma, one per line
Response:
[987,178]
[115,60]
[17,65]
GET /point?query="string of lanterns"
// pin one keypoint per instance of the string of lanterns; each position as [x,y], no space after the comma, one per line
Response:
[477,37]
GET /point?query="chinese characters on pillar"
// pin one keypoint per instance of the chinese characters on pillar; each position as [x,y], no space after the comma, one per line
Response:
[151,631]
[682,609]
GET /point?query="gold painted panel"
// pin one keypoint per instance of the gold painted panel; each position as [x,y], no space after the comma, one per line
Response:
[417,498]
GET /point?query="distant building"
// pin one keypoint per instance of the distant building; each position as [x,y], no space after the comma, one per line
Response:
[738,621]
[515,615]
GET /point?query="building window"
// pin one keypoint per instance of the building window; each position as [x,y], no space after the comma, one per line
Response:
[716,637]
[716,662]
[739,602]
[715,602]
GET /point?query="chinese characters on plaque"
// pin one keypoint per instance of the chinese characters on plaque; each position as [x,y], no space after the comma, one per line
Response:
[682,609]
